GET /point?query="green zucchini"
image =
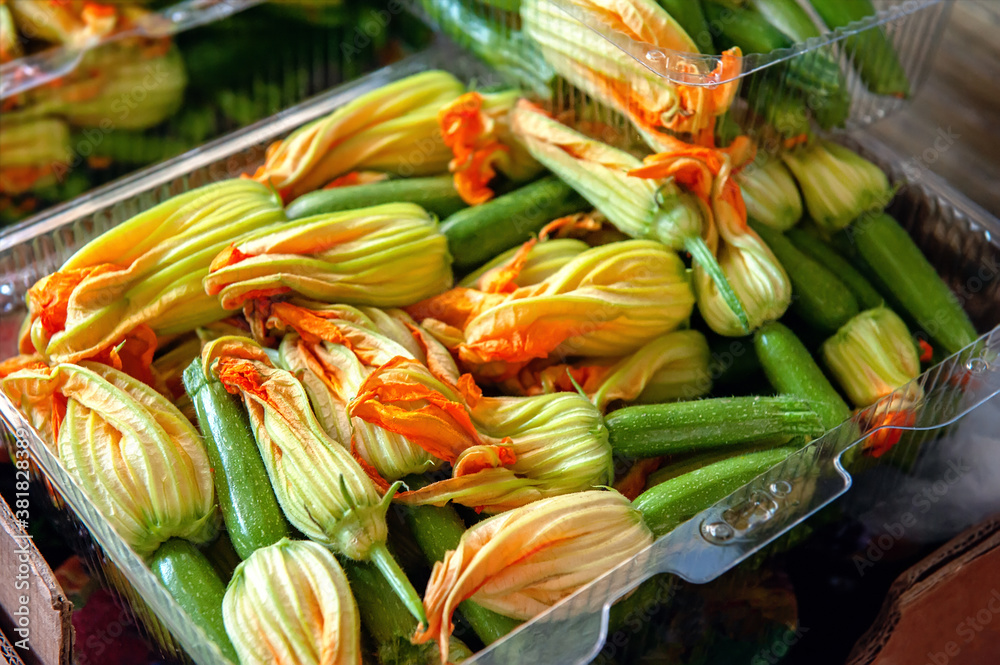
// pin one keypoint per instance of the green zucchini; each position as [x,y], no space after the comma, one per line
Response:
[730,422]
[436,195]
[437,530]
[822,253]
[871,51]
[902,269]
[249,508]
[677,500]
[389,622]
[818,295]
[475,235]
[690,16]
[197,588]
[793,371]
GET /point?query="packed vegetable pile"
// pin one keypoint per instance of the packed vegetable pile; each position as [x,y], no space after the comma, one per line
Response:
[136,98]
[529,382]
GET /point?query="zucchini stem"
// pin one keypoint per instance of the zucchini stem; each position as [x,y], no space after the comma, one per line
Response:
[701,253]
[400,583]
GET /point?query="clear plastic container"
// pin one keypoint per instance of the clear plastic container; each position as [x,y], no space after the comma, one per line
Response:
[847,77]
[78,116]
[959,238]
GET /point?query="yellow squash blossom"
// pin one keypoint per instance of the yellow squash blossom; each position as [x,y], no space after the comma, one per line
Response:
[605,301]
[336,349]
[749,270]
[559,443]
[138,459]
[669,200]
[393,128]
[143,277]
[524,561]
[387,256]
[579,53]
[674,366]
[476,128]
[291,603]
[872,355]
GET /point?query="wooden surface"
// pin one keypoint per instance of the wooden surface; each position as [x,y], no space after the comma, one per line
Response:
[961,94]
[26,574]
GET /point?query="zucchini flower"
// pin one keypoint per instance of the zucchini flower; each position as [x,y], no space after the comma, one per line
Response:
[291,603]
[747,286]
[333,374]
[10,44]
[144,274]
[671,367]
[324,492]
[755,274]
[476,128]
[138,459]
[386,256]
[35,152]
[522,562]
[770,194]
[124,68]
[393,128]
[652,102]
[404,397]
[642,201]
[606,301]
[559,442]
[540,262]
[872,355]
[838,185]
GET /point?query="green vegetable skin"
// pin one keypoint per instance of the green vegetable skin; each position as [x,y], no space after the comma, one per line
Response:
[251,512]
[438,530]
[819,251]
[792,371]
[819,297]
[502,48]
[475,235]
[436,195]
[197,588]
[387,619]
[873,53]
[815,74]
[731,422]
[902,269]
[689,15]
[677,500]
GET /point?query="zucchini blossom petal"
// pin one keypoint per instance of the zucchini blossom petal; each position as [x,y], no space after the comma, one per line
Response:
[651,101]
[138,459]
[838,185]
[605,301]
[393,128]
[770,194]
[872,355]
[333,374]
[476,128]
[387,256]
[291,603]
[144,272]
[671,367]
[524,561]
[559,442]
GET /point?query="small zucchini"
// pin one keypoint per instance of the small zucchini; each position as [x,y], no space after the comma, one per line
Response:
[436,195]
[477,234]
